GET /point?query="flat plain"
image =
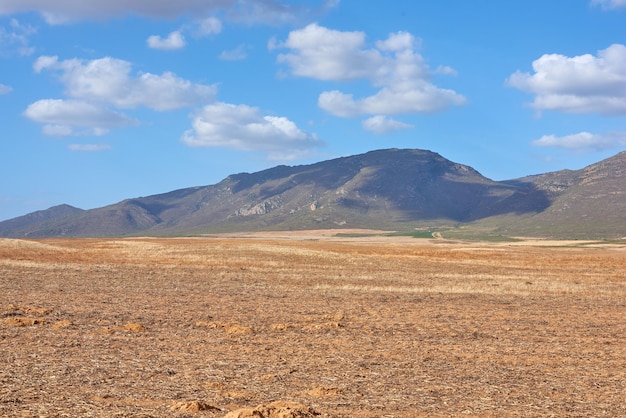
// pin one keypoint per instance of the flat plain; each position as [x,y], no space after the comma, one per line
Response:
[286,325]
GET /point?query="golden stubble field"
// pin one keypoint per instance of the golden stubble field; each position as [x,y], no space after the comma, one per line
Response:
[303,326]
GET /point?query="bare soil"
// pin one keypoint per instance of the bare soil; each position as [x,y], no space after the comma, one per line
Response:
[310,325]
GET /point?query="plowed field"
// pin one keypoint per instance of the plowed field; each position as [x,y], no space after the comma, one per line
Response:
[310,326]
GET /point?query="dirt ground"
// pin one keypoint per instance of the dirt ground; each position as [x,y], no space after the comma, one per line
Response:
[310,325]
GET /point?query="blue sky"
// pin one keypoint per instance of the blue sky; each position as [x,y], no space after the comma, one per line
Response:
[106,100]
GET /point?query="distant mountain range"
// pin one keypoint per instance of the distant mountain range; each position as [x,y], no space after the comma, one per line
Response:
[404,190]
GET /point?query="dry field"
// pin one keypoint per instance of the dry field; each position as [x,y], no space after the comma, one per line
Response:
[310,326]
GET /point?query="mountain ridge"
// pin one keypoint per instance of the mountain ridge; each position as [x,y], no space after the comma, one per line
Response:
[390,189]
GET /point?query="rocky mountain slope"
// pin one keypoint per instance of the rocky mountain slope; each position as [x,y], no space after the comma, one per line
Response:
[590,202]
[393,189]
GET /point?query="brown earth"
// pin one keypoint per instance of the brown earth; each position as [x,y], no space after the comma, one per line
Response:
[310,325]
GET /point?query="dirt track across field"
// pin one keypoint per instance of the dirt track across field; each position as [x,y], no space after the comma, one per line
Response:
[305,325]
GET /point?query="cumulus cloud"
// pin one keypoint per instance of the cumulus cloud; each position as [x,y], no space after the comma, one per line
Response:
[74,117]
[5,89]
[67,11]
[609,4]
[327,54]
[584,141]
[243,127]
[381,125]
[580,84]
[393,66]
[422,98]
[175,40]
[109,80]
[97,89]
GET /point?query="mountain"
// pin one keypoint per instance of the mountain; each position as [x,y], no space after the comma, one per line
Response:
[393,189]
[584,203]
[23,224]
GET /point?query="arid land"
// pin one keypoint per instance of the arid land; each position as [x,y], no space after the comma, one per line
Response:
[362,326]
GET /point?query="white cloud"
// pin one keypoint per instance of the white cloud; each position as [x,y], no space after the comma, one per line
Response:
[44,62]
[609,4]
[584,141]
[175,40]
[239,53]
[95,86]
[444,69]
[89,147]
[209,26]
[423,97]
[15,39]
[580,84]
[381,125]
[400,74]
[108,80]
[72,117]
[243,127]
[399,41]
[327,54]
[5,89]
[53,130]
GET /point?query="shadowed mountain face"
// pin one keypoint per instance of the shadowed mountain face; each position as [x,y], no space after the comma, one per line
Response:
[387,189]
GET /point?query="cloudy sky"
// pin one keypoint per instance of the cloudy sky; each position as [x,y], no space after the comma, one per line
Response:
[106,100]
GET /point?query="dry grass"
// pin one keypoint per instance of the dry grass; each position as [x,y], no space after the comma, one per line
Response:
[293,327]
